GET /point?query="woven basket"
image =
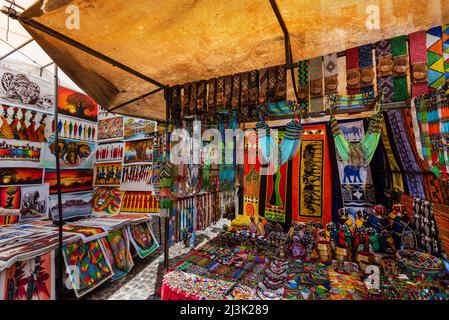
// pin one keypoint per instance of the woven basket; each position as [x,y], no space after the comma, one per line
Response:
[420,262]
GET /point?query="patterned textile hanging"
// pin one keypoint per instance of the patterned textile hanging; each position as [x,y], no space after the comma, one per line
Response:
[361,153]
[303,84]
[428,239]
[446,52]
[400,68]
[291,143]
[435,61]
[418,59]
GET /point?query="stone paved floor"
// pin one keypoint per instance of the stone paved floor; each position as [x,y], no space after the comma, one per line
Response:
[145,279]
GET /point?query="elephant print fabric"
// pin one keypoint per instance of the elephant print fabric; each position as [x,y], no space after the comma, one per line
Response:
[73,154]
[356,182]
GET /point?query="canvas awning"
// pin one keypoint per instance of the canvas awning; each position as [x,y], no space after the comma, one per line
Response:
[179,41]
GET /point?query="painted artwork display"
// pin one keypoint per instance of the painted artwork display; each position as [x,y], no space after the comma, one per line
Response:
[137,177]
[14,153]
[110,152]
[87,266]
[137,129]
[73,205]
[31,92]
[117,249]
[107,200]
[20,176]
[75,104]
[72,154]
[27,247]
[110,129]
[7,219]
[140,201]
[138,151]
[87,234]
[10,200]
[24,125]
[108,174]
[77,129]
[143,239]
[72,180]
[32,279]
[34,203]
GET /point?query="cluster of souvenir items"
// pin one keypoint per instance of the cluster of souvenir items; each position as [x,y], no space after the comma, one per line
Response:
[307,281]
[272,285]
[346,282]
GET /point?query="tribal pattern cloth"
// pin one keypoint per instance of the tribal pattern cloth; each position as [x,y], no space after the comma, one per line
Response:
[418,58]
[312,177]
[316,84]
[404,149]
[445,30]
[435,61]
[426,229]
[384,63]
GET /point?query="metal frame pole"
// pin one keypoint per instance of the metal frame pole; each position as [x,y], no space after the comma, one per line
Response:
[58,186]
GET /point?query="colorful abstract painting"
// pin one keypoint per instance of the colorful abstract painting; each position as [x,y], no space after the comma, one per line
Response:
[137,177]
[20,176]
[72,180]
[24,125]
[15,153]
[140,202]
[32,279]
[108,174]
[109,152]
[72,154]
[110,129]
[107,200]
[34,203]
[139,151]
[76,104]
[143,239]
[117,249]
[87,266]
[86,233]
[137,129]
[73,205]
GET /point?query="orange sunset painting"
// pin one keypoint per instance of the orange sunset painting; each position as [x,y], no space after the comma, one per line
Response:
[71,180]
[20,176]
[75,104]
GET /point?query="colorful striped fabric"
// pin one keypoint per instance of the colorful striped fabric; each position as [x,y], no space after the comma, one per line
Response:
[316,84]
[435,61]
[445,30]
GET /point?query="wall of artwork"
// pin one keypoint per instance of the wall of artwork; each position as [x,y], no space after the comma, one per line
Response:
[95,147]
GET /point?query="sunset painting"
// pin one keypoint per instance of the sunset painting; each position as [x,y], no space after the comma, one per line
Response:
[20,176]
[71,180]
[75,104]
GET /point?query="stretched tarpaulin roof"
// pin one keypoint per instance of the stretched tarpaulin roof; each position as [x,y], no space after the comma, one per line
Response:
[179,41]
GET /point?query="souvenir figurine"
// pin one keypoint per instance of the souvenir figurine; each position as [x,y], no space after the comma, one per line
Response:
[260,228]
[279,227]
[378,220]
[269,227]
[293,229]
[308,241]
[386,242]
[398,221]
[374,245]
[344,237]
[332,234]
[344,218]
[297,248]
[356,236]
[361,218]
[252,226]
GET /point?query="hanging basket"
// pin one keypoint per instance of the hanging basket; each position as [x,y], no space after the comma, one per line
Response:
[417,262]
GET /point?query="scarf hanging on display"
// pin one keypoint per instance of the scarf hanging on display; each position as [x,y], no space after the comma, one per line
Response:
[236,82]
[176,109]
[442,220]
[427,236]
[418,59]
[303,84]
[353,76]
[227,98]
[435,61]
[244,98]
[404,150]
[211,93]
[219,97]
[400,68]
[356,183]
[330,62]
[432,115]
[359,153]
[346,102]
[398,183]
[384,62]
[272,84]
[193,97]
[185,99]
[312,178]
[263,85]
[253,95]
[366,68]
[276,192]
[316,84]
[446,52]
[291,143]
